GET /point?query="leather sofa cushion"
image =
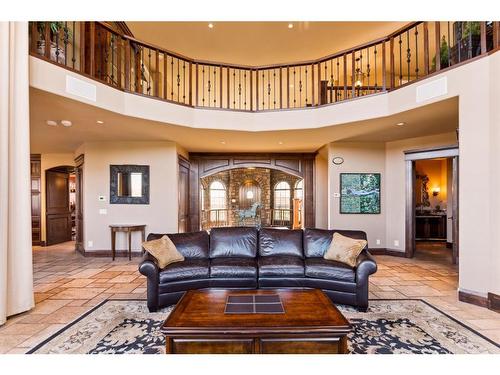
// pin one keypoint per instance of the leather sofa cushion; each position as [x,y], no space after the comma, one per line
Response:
[317,241]
[190,245]
[278,242]
[233,267]
[320,268]
[233,242]
[281,266]
[187,270]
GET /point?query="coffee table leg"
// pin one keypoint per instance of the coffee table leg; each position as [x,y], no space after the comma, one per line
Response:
[169,345]
[343,345]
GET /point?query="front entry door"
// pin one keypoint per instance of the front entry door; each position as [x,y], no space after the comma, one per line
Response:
[58,214]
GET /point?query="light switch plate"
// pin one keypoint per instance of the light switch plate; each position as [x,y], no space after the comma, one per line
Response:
[103,211]
[396,242]
[378,242]
[90,243]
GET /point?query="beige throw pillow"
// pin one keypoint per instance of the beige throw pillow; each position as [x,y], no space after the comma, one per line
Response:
[345,249]
[164,251]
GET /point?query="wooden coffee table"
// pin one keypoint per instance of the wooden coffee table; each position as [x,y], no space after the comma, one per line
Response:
[252,322]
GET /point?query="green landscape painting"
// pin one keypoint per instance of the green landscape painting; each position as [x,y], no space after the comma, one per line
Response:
[360,193]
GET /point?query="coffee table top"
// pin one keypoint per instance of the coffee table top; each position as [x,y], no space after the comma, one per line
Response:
[203,311]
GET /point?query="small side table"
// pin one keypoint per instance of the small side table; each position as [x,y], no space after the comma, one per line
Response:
[127,229]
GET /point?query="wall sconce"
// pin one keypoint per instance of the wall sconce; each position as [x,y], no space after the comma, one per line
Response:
[436,191]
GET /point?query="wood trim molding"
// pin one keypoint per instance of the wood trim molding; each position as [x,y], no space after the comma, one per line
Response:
[472,299]
[390,252]
[107,253]
[433,152]
[494,302]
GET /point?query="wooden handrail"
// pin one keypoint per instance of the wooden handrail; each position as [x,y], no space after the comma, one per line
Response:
[132,65]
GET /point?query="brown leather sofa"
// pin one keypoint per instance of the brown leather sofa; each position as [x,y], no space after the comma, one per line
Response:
[247,258]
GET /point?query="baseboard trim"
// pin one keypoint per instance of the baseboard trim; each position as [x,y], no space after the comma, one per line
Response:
[449,245]
[107,253]
[384,251]
[494,302]
[472,299]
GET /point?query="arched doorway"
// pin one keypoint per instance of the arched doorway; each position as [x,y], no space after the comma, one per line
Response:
[298,170]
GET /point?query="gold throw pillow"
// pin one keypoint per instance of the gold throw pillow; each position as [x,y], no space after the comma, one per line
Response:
[164,251]
[345,249]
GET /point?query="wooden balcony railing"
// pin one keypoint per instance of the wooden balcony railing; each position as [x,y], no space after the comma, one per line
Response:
[419,49]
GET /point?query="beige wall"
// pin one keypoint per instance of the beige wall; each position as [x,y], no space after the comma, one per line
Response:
[363,157]
[160,215]
[50,161]
[321,185]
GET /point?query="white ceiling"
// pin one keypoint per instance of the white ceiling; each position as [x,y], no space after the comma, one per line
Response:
[435,118]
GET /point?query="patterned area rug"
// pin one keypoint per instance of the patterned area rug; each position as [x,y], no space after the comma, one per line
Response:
[389,326]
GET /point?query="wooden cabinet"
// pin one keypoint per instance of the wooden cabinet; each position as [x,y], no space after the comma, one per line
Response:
[431,227]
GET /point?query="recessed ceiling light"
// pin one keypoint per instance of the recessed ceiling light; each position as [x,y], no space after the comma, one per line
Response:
[401,123]
[290,25]
[100,122]
[280,142]
[223,142]
[210,25]
[66,123]
[51,123]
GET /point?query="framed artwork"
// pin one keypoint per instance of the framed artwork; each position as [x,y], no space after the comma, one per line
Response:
[360,193]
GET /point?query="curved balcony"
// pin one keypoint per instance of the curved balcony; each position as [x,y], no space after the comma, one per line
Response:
[103,53]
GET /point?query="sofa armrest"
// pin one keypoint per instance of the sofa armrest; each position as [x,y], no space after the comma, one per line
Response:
[149,268]
[366,265]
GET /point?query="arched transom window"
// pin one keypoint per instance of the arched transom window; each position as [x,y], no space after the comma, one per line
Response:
[218,203]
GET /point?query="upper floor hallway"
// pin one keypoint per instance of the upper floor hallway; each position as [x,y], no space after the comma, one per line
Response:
[107,52]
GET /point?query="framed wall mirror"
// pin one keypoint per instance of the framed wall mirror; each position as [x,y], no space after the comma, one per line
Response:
[129,184]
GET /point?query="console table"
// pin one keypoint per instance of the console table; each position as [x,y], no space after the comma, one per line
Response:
[127,229]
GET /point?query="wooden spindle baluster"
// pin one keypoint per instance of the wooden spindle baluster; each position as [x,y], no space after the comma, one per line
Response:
[178,80]
[47,40]
[416,52]
[482,26]
[426,48]
[384,73]
[203,85]
[251,90]
[112,39]
[288,86]
[345,76]
[34,36]
[392,64]
[127,65]
[263,91]
[368,68]
[197,85]
[83,67]
[353,75]
[438,46]
[337,91]
[65,41]
[215,86]
[228,87]
[119,61]
[165,76]
[376,73]
[190,80]
[281,87]
[274,87]
[73,57]
[408,55]
[245,88]
[400,60]
[239,88]
[220,86]
[257,89]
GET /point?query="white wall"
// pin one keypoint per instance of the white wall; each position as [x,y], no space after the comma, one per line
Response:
[321,192]
[363,157]
[48,161]
[160,215]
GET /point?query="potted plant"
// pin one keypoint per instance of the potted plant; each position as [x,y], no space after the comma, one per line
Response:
[60,35]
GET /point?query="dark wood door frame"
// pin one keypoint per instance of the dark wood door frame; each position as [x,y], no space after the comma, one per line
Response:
[410,223]
[183,216]
[298,164]
[79,245]
[57,215]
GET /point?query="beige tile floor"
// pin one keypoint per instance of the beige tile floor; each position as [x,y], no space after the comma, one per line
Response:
[68,284]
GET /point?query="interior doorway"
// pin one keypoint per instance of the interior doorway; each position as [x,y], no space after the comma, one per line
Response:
[432,204]
[60,198]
